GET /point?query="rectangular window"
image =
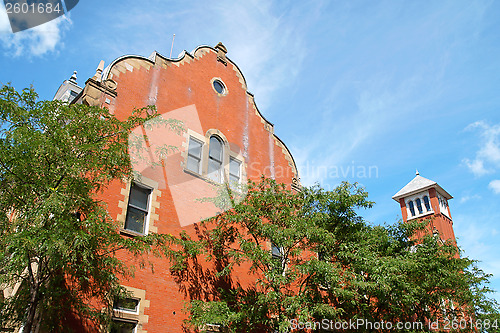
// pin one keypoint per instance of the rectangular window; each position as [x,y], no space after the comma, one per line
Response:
[194,155]
[123,326]
[138,208]
[126,304]
[234,171]
[278,254]
[276,251]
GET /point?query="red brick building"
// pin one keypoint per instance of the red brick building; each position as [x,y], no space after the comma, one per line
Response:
[225,138]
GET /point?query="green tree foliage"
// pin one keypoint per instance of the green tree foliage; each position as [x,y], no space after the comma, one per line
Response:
[57,241]
[327,264]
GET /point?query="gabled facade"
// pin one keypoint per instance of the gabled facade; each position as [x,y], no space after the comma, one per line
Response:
[225,139]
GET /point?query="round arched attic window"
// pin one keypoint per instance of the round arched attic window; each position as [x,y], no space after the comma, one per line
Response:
[219,86]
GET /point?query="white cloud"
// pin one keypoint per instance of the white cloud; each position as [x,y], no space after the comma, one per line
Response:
[272,58]
[479,242]
[487,158]
[377,100]
[35,42]
[466,198]
[267,44]
[4,22]
[495,186]
[477,167]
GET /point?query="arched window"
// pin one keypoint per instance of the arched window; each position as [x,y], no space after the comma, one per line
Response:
[412,208]
[215,153]
[427,203]
[419,205]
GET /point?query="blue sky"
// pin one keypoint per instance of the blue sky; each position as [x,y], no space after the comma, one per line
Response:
[391,85]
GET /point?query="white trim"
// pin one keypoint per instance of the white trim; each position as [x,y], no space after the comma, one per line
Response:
[224,92]
[413,198]
[136,311]
[227,154]
[148,214]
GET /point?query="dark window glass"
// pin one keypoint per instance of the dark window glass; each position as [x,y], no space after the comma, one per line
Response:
[219,87]
[122,326]
[139,197]
[427,203]
[137,210]
[278,256]
[215,159]
[128,304]
[322,256]
[194,155]
[412,209]
[276,251]
[419,206]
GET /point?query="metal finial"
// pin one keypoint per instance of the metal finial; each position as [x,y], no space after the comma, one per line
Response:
[73,77]
[417,173]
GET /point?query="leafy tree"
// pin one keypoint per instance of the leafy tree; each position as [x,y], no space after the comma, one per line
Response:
[314,259]
[57,241]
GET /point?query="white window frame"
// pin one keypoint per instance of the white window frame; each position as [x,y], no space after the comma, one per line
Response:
[148,210]
[220,172]
[443,205]
[414,198]
[200,161]
[224,172]
[125,310]
[238,182]
[125,320]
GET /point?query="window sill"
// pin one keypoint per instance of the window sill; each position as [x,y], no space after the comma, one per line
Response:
[131,233]
[117,312]
[202,177]
[194,173]
[237,191]
[420,215]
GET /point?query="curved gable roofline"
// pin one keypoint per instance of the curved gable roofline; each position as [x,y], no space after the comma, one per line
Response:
[107,70]
[152,59]
[182,55]
[232,62]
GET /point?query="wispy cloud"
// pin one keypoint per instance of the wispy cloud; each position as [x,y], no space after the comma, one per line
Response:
[487,158]
[34,42]
[479,241]
[267,45]
[377,103]
[466,198]
[384,92]
[4,21]
[495,186]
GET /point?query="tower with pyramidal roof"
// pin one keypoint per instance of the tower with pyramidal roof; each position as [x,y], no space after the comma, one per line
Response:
[423,198]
